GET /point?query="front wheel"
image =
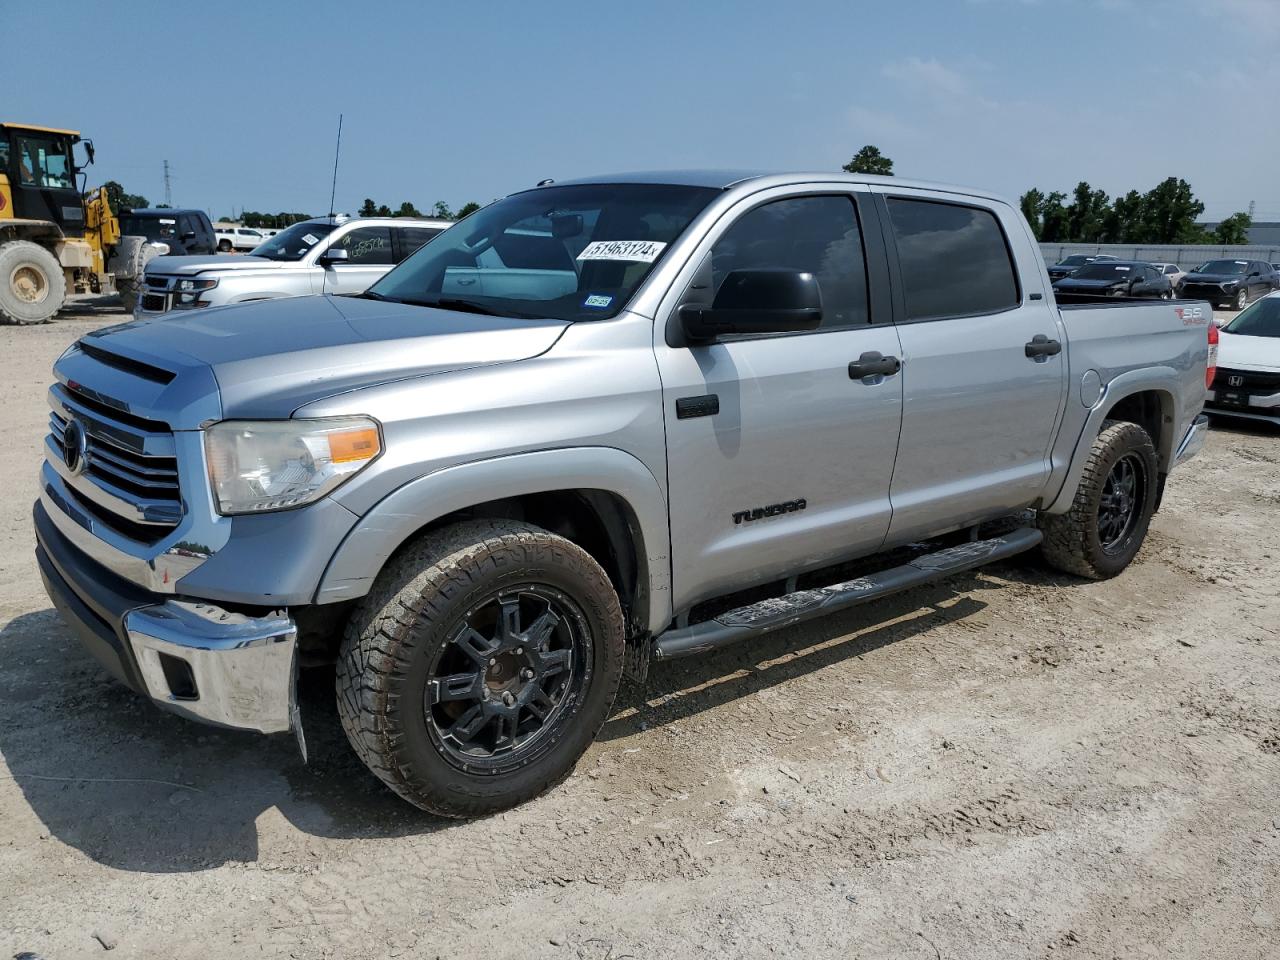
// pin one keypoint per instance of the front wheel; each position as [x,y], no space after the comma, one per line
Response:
[1104,529]
[1242,300]
[481,666]
[224,246]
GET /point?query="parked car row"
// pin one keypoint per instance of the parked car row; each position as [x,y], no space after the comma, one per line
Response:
[1227,283]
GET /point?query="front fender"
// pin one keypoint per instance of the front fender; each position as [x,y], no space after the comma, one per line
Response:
[399,515]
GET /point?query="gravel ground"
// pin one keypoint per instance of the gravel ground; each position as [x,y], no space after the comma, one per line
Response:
[1013,764]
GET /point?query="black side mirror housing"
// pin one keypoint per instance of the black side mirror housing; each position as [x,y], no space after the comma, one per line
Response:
[756,302]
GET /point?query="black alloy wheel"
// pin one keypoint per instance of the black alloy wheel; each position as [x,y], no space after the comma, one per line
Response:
[501,679]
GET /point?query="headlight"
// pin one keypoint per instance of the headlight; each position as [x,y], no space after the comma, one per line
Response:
[1229,284]
[259,466]
[204,283]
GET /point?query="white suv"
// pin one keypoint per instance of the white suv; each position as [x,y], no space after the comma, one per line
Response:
[324,255]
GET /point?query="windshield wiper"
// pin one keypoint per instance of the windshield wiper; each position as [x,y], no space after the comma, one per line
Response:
[370,295]
[462,306]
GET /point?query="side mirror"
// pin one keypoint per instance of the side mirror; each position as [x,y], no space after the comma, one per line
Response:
[189,235]
[334,255]
[756,301]
[566,225]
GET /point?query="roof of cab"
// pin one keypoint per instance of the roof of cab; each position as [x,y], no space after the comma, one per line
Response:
[724,179]
[33,126]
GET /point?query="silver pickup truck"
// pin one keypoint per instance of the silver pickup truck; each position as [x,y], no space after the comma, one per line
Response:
[324,255]
[596,424]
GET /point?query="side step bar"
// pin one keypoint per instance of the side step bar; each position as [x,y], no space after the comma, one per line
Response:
[758,618]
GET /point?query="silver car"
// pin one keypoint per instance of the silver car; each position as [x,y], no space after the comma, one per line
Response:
[324,255]
[1174,272]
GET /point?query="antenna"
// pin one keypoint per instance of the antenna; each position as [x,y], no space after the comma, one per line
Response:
[168,192]
[336,151]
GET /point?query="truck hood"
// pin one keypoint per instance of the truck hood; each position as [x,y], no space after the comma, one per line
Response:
[188,266]
[270,357]
[1213,278]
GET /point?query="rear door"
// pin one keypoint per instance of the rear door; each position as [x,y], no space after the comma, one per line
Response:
[983,371]
[779,459]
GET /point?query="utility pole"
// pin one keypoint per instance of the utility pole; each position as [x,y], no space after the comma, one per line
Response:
[168,192]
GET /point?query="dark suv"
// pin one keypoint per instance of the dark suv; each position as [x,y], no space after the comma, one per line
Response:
[1231,283]
[186,232]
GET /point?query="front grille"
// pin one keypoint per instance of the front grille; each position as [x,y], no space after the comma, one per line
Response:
[158,283]
[1251,380]
[124,472]
[154,302]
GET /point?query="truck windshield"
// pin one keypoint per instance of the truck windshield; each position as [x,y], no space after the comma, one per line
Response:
[1260,320]
[292,243]
[1230,268]
[576,252]
[1103,271]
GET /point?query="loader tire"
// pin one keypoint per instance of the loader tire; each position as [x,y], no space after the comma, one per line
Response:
[32,287]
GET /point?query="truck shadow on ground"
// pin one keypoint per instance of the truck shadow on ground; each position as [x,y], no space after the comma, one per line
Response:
[137,789]
[679,689]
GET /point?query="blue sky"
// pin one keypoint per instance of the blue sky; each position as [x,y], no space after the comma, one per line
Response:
[471,101]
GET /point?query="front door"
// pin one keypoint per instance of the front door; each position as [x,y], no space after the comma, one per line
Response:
[983,364]
[779,459]
[369,257]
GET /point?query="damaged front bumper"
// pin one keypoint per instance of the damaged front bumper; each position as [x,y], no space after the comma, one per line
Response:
[190,657]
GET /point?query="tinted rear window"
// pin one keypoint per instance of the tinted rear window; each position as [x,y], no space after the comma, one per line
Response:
[955,261]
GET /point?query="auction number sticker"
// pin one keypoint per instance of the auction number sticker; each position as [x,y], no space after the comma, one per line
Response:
[636,251]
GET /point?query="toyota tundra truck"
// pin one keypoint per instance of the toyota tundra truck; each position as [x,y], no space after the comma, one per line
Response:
[597,424]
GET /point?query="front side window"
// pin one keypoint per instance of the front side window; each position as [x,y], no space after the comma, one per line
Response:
[292,244]
[954,259]
[817,235]
[44,163]
[572,252]
[366,246]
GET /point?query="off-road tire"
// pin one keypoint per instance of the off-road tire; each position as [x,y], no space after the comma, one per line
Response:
[395,631]
[1071,540]
[23,256]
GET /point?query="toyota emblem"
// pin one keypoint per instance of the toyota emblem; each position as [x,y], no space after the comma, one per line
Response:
[74,447]
[1235,381]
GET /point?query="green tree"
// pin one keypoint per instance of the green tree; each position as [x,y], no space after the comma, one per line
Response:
[1032,204]
[383,211]
[870,160]
[407,209]
[368,208]
[1234,230]
[1170,214]
[442,211]
[466,210]
[1087,214]
[1053,218]
[1125,221]
[119,199]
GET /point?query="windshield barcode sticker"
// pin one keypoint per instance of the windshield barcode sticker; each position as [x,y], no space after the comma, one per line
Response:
[638,251]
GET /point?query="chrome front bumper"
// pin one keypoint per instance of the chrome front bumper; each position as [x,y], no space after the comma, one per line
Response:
[1193,442]
[218,667]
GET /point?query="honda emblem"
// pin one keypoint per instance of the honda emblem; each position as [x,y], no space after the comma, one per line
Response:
[1235,381]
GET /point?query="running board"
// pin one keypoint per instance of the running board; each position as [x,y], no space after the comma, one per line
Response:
[758,618]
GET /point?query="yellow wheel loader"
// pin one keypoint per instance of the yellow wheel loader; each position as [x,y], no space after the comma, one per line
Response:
[56,240]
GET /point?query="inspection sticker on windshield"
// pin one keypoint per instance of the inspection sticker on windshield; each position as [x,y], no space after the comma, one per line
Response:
[639,251]
[310,238]
[597,300]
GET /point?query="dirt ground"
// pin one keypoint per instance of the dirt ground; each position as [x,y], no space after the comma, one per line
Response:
[1013,764]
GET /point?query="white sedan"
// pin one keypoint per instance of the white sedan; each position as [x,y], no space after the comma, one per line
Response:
[1174,272]
[1248,379]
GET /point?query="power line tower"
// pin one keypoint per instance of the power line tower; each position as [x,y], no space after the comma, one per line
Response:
[1252,206]
[168,191]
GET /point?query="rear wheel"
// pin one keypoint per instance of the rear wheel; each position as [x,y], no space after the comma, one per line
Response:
[1107,523]
[32,287]
[481,666]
